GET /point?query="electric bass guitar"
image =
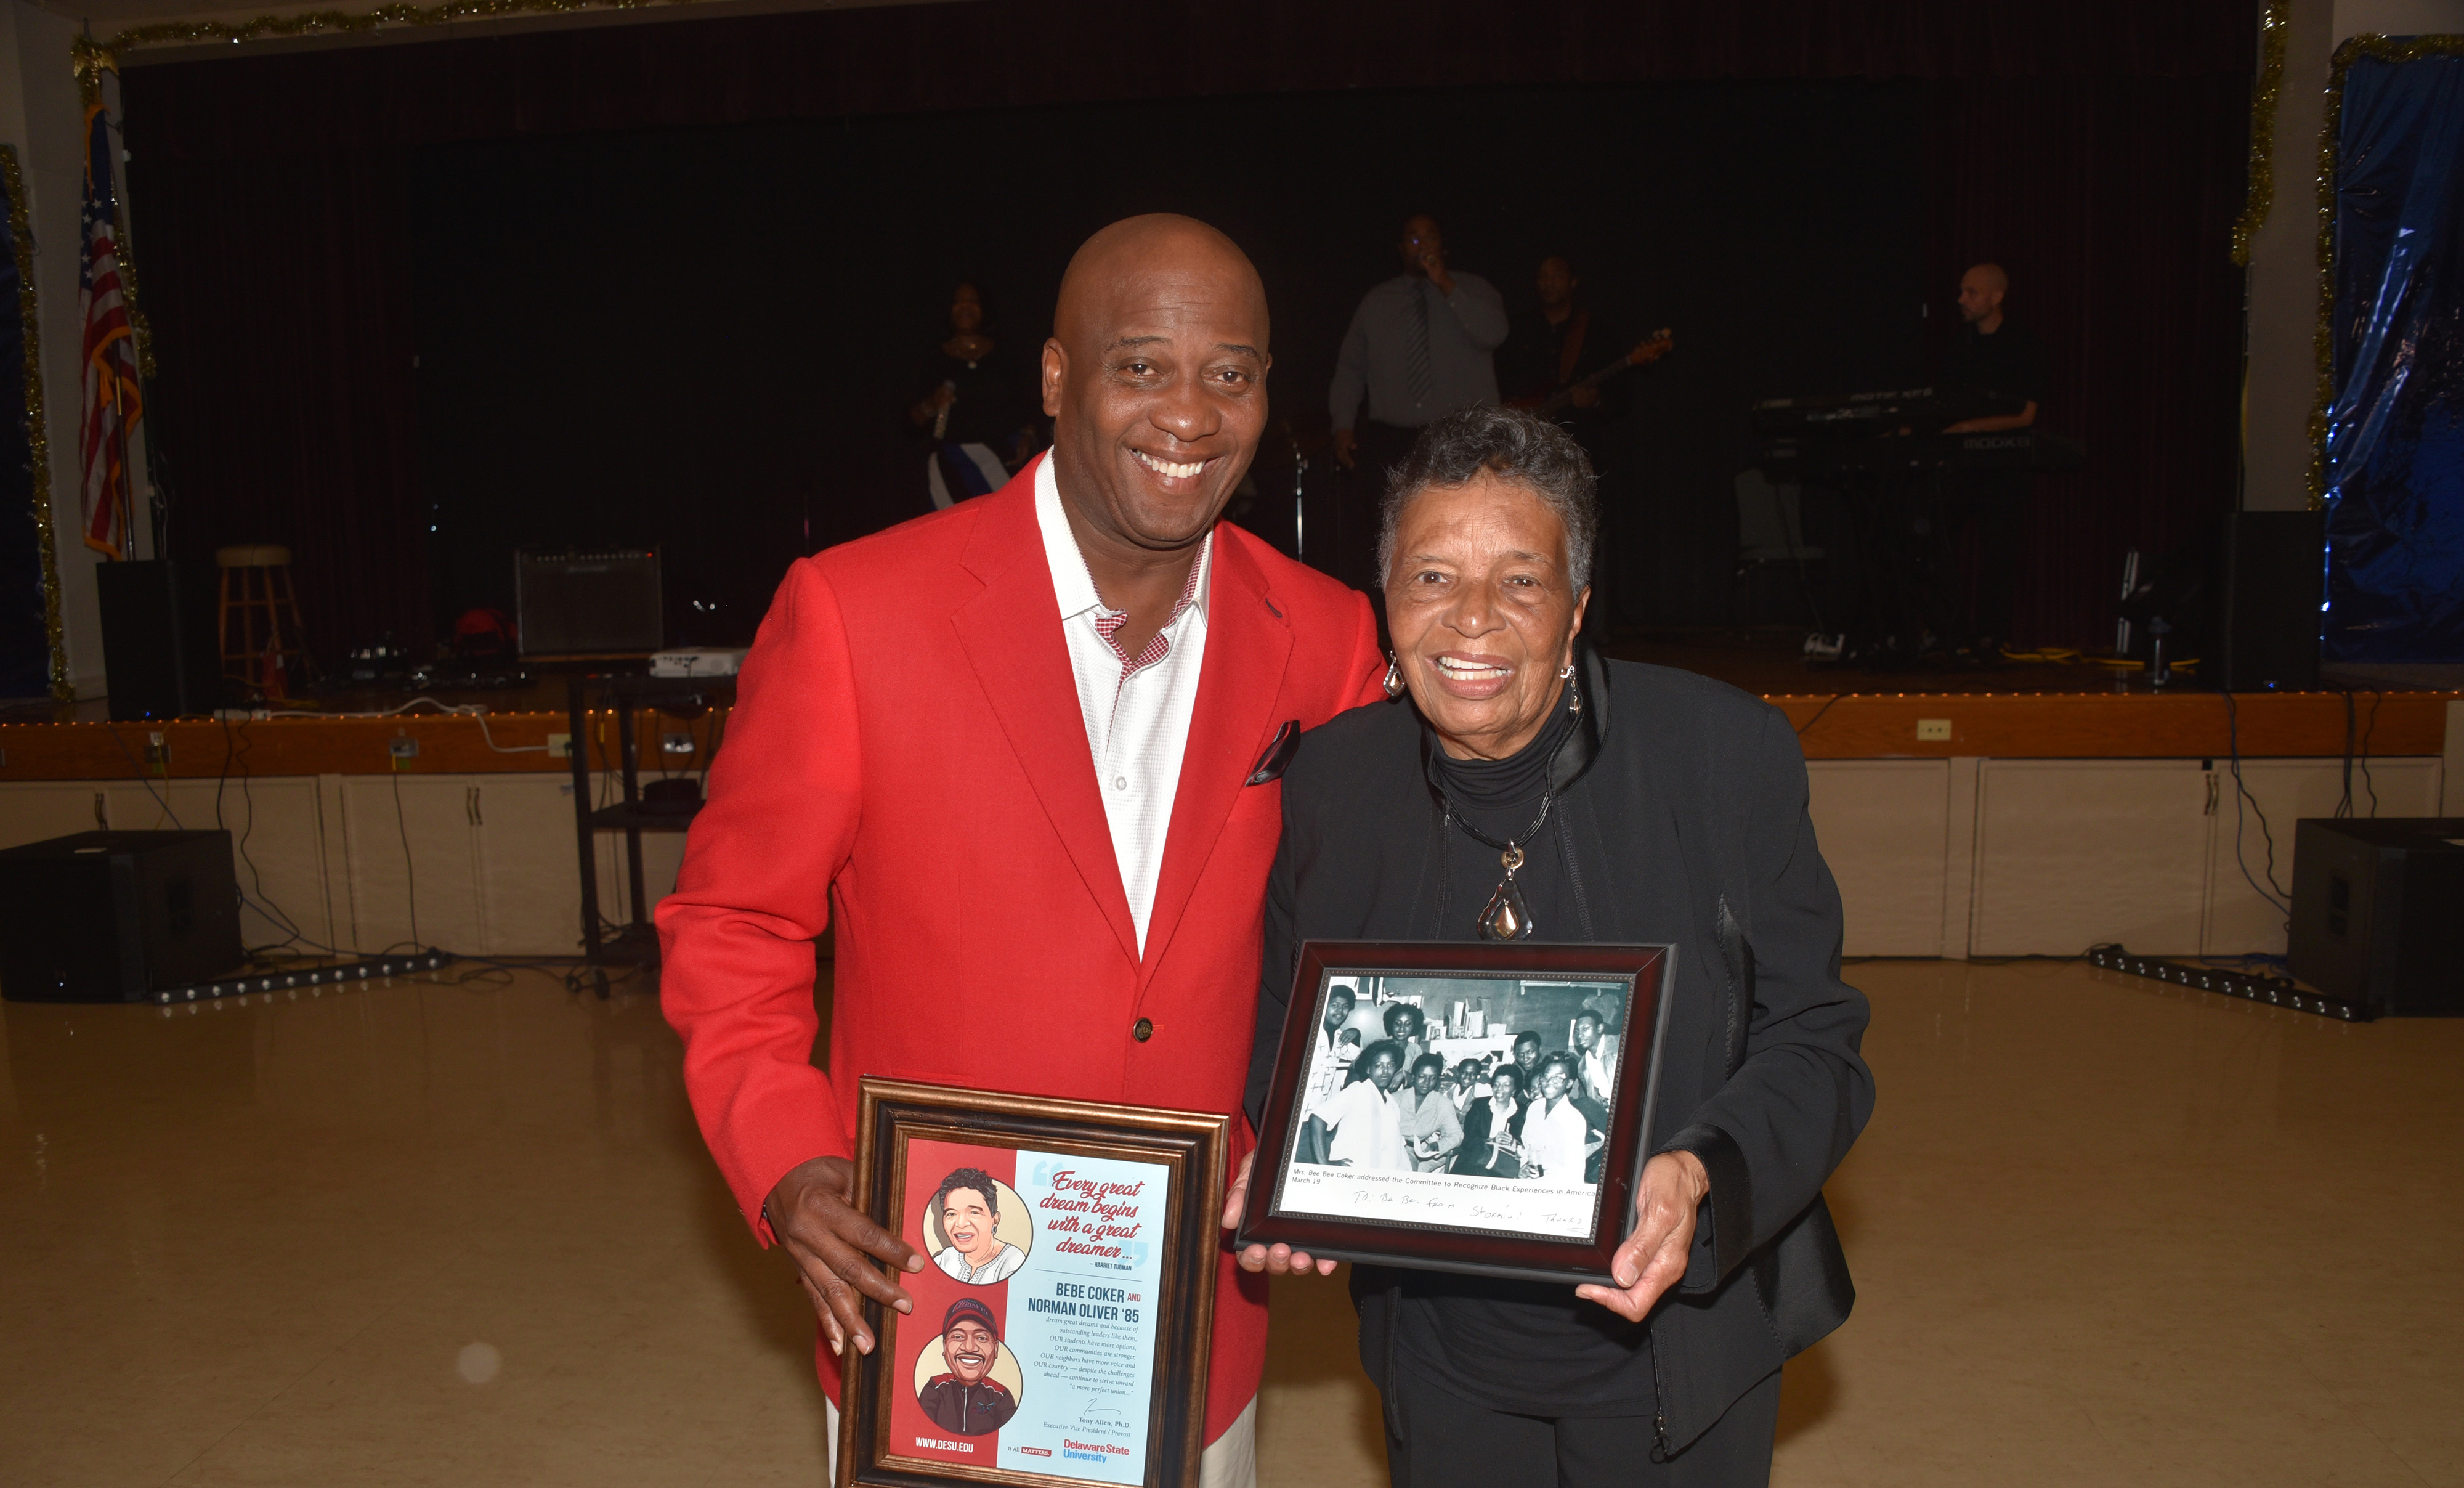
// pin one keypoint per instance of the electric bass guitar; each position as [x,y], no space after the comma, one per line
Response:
[1651,348]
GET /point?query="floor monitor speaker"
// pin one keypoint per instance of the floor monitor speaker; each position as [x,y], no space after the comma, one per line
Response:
[116,916]
[159,658]
[2272,578]
[2375,912]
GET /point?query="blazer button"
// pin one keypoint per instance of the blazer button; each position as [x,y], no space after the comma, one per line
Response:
[1142,1030]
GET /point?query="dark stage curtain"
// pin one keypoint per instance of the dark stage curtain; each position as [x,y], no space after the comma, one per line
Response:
[271,193]
[25,638]
[2395,431]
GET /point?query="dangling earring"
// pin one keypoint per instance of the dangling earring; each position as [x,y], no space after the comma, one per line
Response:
[1394,677]
[1574,692]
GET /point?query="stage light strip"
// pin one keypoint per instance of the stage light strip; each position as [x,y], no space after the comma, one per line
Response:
[368,969]
[2274,991]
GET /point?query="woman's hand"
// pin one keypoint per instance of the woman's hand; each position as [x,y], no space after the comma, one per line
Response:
[1275,1260]
[1653,1259]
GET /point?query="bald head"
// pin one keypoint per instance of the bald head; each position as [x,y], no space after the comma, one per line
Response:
[1980,296]
[1120,259]
[1156,379]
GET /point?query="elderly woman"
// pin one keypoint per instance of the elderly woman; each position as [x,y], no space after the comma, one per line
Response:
[1431,1127]
[1518,786]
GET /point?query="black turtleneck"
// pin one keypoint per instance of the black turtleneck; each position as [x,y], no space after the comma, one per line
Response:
[1501,798]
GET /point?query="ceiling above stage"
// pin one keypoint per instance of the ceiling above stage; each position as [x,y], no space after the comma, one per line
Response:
[108,18]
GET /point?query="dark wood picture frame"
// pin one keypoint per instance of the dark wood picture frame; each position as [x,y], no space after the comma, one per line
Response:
[1193,1146]
[1645,970]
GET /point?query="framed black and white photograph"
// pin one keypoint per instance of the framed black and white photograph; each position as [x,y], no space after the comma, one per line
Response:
[1464,1107]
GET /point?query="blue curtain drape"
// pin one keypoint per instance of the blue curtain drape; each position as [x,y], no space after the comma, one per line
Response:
[25,646]
[2395,429]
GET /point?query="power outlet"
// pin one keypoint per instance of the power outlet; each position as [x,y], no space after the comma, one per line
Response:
[675,743]
[157,752]
[404,747]
[1934,729]
[559,746]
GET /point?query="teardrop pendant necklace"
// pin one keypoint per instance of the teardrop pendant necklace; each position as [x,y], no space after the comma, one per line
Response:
[1506,917]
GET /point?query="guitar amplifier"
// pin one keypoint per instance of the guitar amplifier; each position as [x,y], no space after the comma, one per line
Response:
[116,916]
[588,604]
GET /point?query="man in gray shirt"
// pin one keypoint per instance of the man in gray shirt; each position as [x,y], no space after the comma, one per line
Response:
[1418,349]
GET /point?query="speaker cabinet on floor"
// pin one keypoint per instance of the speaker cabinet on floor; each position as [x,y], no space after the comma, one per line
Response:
[159,658]
[2378,912]
[2272,578]
[114,915]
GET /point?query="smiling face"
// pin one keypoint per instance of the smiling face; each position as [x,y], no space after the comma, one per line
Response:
[1155,378]
[970,1348]
[1338,1008]
[1527,1056]
[1484,613]
[968,1221]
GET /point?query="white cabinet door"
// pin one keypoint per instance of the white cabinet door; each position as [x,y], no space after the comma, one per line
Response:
[2241,922]
[1884,826]
[278,845]
[529,871]
[411,843]
[2072,852]
[37,811]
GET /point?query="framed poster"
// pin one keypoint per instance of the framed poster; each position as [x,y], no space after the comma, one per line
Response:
[1060,1326]
[1470,1108]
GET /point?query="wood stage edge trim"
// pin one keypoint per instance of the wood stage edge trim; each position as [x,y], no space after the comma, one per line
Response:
[1845,726]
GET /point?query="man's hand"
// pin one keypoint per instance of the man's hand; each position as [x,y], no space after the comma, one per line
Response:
[1345,443]
[1277,1260]
[1434,265]
[1653,1259]
[813,1213]
[1583,396]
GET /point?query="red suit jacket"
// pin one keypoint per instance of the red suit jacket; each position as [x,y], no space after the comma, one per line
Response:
[908,750]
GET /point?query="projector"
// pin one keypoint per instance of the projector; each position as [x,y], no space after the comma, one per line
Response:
[697,661]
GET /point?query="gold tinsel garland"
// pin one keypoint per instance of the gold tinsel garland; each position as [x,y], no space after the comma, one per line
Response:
[2383,48]
[2274,29]
[21,238]
[93,59]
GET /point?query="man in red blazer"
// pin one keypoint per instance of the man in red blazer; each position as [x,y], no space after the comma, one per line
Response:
[1011,746]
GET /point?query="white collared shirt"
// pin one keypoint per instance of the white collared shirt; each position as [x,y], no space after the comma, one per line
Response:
[1138,709]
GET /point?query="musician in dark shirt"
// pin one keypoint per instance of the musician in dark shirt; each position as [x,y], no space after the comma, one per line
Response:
[1995,357]
[1560,340]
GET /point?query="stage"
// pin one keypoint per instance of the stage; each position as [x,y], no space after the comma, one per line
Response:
[2020,809]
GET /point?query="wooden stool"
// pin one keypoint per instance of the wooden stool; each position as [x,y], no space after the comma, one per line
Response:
[264,605]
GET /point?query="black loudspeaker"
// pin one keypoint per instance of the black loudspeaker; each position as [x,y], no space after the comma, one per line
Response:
[603,604]
[159,658]
[114,915]
[2271,578]
[2378,912]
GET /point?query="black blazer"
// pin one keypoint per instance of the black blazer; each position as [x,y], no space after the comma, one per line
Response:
[1761,1077]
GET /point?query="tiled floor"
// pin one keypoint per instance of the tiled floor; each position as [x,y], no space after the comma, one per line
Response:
[2102,1232]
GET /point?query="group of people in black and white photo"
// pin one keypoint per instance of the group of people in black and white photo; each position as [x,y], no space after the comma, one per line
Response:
[1395,1105]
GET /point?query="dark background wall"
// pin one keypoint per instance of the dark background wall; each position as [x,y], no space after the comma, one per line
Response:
[740,316]
[676,273]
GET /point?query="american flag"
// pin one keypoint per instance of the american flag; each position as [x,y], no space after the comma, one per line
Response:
[110,401]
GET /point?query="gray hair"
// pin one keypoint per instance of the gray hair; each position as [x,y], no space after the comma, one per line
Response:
[1520,448]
